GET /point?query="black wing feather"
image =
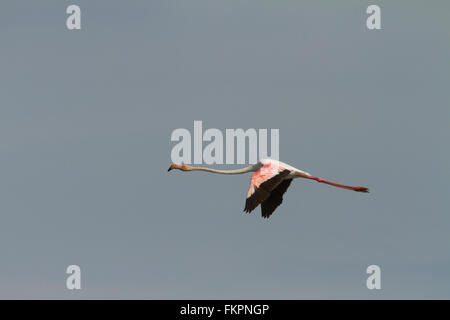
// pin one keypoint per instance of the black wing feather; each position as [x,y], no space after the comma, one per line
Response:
[262,193]
[276,198]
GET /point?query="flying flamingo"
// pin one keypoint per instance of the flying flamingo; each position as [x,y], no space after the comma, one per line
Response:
[268,184]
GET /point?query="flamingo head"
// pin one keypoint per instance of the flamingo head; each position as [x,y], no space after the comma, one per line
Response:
[182,167]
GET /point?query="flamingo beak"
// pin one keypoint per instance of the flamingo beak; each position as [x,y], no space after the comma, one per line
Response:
[182,167]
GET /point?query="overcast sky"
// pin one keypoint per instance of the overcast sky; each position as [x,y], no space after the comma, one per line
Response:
[85,123]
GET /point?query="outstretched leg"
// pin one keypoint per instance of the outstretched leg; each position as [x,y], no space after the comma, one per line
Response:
[358,189]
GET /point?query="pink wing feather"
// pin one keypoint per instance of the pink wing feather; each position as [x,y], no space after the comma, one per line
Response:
[266,172]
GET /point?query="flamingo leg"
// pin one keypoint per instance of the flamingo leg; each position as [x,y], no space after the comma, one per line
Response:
[358,189]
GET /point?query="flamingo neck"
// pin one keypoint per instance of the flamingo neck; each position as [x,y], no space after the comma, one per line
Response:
[236,171]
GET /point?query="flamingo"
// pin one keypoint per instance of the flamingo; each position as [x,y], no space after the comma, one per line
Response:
[269,182]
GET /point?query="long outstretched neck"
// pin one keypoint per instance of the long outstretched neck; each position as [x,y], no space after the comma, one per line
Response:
[358,189]
[185,167]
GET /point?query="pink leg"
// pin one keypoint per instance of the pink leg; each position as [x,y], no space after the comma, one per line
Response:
[358,189]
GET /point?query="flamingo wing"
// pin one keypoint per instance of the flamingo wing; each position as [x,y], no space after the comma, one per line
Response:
[275,199]
[262,184]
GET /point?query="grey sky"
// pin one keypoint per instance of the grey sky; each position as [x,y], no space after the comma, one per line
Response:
[85,124]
